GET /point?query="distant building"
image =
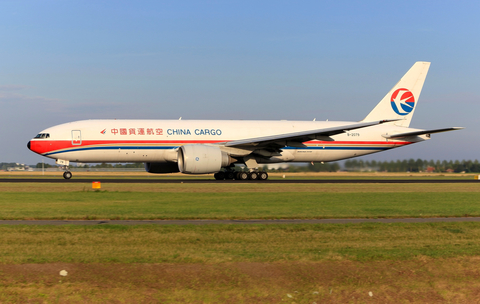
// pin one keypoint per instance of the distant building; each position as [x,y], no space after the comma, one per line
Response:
[280,166]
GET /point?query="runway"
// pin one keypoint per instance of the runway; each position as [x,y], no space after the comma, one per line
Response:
[211,181]
[236,222]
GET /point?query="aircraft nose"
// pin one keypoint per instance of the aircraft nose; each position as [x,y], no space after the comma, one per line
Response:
[28,146]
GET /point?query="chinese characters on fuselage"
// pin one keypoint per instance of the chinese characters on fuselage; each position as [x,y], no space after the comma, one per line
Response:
[158,131]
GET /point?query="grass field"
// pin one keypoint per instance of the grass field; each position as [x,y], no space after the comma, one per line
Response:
[212,244]
[236,201]
[354,263]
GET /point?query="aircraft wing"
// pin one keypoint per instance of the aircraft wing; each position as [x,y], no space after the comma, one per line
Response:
[422,132]
[296,138]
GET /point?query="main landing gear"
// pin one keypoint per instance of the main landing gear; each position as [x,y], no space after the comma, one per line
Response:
[241,175]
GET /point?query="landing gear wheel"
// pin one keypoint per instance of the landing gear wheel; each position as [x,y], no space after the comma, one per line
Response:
[242,175]
[229,175]
[67,175]
[253,175]
[263,176]
[219,175]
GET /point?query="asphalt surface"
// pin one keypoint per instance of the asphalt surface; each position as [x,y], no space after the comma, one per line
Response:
[209,181]
[236,222]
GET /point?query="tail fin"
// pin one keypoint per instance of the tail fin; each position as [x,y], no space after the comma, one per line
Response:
[400,102]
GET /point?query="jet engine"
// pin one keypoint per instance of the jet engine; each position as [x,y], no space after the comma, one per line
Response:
[199,159]
[167,167]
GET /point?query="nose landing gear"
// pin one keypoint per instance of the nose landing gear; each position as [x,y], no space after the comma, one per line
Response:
[67,174]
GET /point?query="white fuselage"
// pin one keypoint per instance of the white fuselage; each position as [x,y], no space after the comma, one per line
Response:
[158,140]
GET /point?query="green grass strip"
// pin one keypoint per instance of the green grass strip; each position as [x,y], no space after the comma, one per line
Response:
[236,243]
[228,205]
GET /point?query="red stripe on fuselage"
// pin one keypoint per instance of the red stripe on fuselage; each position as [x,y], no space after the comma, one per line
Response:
[319,142]
[45,146]
[42,146]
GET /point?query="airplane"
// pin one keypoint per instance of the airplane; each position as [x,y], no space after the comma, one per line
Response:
[215,146]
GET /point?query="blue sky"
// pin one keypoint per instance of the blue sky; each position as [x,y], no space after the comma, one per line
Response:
[69,60]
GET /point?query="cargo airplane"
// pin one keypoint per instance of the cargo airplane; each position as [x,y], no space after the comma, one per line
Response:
[215,146]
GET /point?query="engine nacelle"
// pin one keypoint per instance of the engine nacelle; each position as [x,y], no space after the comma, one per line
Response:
[200,159]
[166,167]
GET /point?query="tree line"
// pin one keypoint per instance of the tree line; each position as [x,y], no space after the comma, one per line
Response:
[412,165]
[5,166]
[102,165]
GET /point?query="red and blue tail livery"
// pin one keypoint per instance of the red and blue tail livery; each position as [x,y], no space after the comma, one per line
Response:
[403,101]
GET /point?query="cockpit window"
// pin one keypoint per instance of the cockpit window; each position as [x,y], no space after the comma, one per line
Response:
[43,135]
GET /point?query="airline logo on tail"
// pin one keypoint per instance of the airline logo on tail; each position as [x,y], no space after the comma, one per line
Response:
[402,101]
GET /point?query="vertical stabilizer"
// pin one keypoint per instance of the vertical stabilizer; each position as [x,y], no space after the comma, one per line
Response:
[402,99]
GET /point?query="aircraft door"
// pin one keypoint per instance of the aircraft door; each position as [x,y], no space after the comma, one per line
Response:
[76,137]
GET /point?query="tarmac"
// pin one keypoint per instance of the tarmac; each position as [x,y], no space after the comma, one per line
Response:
[238,222]
[211,181]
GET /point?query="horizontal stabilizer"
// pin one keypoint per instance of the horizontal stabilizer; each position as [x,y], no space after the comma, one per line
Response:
[421,132]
